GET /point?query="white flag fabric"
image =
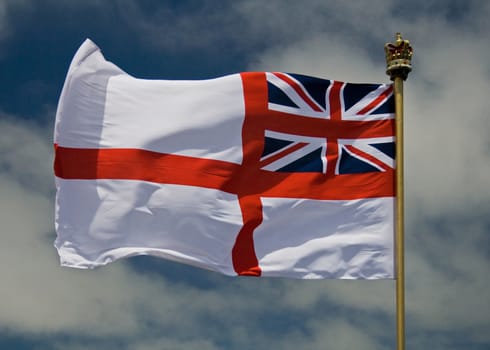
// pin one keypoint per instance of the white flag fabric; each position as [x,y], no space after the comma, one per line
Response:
[259,174]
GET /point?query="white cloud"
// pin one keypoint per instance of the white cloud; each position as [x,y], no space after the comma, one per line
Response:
[447,155]
[5,18]
[447,164]
[446,282]
[329,57]
[36,294]
[39,297]
[2,18]
[341,335]
[25,154]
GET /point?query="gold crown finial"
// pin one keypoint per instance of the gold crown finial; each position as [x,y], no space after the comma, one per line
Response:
[398,58]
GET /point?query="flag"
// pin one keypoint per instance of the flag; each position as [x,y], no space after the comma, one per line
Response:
[257,173]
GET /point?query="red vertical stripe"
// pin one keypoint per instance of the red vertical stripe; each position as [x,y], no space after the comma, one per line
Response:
[335,116]
[245,261]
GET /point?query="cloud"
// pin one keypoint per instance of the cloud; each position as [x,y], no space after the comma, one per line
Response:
[25,154]
[4,25]
[6,9]
[446,117]
[447,262]
[2,17]
[145,308]
[447,167]
[345,62]
[37,295]
[341,335]
[447,162]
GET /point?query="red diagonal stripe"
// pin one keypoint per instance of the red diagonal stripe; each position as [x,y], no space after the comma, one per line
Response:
[375,103]
[283,153]
[367,156]
[299,91]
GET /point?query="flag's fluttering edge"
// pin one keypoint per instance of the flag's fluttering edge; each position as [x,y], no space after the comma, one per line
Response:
[262,174]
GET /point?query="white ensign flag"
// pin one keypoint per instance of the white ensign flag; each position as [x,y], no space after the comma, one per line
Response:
[260,174]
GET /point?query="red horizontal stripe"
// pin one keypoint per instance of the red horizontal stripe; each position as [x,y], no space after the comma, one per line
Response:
[316,127]
[136,164]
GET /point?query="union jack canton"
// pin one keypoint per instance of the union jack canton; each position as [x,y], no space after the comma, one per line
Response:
[348,147]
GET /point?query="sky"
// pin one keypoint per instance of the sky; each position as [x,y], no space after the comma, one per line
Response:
[146,303]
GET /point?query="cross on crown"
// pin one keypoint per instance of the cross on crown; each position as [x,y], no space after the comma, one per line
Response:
[398,58]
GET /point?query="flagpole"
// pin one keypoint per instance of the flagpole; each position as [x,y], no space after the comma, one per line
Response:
[398,65]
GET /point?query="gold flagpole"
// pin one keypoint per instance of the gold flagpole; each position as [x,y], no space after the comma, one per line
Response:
[398,65]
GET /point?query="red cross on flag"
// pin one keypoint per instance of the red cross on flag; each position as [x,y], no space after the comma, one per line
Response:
[261,174]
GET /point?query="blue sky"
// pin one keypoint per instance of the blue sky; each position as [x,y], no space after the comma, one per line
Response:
[145,303]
